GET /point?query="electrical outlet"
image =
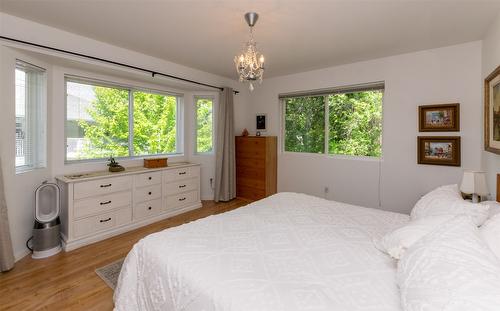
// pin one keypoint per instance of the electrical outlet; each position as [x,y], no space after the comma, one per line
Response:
[326,190]
[211,183]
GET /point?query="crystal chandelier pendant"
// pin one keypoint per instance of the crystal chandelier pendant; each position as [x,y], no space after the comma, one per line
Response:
[250,63]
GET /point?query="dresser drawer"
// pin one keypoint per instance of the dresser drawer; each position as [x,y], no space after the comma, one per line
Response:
[100,204]
[250,193]
[147,193]
[102,186]
[107,221]
[182,186]
[147,209]
[147,179]
[182,199]
[181,173]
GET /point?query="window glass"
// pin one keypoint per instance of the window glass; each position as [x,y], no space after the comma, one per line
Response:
[355,123]
[204,125]
[30,111]
[97,121]
[305,124]
[155,123]
[101,124]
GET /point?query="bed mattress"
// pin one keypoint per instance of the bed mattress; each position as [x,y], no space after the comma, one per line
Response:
[287,252]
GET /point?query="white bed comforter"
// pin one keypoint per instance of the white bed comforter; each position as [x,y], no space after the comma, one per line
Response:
[284,253]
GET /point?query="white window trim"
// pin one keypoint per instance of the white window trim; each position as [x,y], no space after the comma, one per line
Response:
[346,89]
[131,88]
[195,101]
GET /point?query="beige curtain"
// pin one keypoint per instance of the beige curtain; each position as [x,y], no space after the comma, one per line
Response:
[6,252]
[225,170]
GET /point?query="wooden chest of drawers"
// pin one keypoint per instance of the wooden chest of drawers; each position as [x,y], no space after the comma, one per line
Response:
[256,166]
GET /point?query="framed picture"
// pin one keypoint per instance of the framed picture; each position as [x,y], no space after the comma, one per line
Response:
[492,112]
[439,118]
[260,123]
[439,150]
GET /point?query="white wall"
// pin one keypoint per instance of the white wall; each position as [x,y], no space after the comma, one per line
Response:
[445,75]
[20,188]
[490,61]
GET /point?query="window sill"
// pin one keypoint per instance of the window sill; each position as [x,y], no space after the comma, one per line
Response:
[105,161]
[24,170]
[336,156]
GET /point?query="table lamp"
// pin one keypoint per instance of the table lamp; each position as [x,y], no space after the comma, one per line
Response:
[474,183]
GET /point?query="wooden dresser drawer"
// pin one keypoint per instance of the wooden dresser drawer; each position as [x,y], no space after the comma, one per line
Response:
[182,199]
[102,186]
[147,193]
[107,221]
[101,204]
[250,193]
[147,209]
[147,179]
[251,183]
[181,173]
[182,186]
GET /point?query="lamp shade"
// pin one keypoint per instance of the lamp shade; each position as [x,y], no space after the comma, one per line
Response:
[474,183]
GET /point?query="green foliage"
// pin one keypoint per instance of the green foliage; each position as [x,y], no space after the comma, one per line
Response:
[108,134]
[154,123]
[354,119]
[355,123]
[305,124]
[204,125]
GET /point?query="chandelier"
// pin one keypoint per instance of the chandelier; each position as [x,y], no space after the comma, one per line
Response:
[250,63]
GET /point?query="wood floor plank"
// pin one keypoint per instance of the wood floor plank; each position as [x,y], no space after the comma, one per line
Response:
[67,281]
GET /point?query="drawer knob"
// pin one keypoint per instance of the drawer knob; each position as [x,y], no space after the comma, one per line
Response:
[149,192]
[182,199]
[149,208]
[106,186]
[182,173]
[150,177]
[182,186]
[105,220]
[105,203]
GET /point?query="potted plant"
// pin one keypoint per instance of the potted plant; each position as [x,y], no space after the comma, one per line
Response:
[114,166]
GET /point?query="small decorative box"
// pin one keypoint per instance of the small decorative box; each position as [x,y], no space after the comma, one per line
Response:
[155,162]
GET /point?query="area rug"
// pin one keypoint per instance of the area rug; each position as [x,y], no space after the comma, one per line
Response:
[109,273]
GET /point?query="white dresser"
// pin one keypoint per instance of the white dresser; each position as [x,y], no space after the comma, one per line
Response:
[98,205]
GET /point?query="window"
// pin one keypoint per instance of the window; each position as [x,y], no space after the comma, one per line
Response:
[105,120]
[345,121]
[204,124]
[31,100]
[305,124]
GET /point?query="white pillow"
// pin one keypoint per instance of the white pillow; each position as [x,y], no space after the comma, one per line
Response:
[396,242]
[490,232]
[447,200]
[494,207]
[450,269]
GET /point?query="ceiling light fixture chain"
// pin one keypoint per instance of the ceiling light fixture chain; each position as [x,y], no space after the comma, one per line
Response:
[250,63]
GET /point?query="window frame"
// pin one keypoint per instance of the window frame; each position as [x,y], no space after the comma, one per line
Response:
[179,143]
[36,119]
[195,102]
[378,86]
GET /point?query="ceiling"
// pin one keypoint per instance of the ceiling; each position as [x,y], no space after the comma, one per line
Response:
[294,35]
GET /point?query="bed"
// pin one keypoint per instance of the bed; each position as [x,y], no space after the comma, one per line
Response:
[287,252]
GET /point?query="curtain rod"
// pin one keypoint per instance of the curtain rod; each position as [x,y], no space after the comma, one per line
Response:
[152,72]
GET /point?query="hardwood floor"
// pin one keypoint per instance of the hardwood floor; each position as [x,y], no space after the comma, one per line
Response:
[67,281]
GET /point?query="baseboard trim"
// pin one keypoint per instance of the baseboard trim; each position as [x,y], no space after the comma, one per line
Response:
[20,255]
